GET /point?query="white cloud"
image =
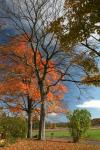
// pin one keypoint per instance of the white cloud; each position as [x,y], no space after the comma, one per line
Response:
[90,104]
[52,114]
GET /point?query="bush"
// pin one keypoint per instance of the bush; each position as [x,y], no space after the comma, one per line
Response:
[14,127]
[79,122]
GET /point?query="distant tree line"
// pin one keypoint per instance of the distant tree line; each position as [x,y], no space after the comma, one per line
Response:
[96,122]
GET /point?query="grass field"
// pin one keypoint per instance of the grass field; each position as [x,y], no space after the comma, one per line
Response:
[92,134]
[55,133]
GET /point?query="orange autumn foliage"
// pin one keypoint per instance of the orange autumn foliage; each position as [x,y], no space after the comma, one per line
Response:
[17,59]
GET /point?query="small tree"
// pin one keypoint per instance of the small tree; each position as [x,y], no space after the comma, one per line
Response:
[79,122]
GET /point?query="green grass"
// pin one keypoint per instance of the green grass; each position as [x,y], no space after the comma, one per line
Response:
[54,133]
[92,134]
[58,133]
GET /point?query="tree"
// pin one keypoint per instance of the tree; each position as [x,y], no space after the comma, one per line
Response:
[92,80]
[95,122]
[79,122]
[36,14]
[82,20]
[86,24]
[81,29]
[19,89]
[33,19]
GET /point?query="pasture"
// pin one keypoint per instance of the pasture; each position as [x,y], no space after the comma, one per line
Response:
[92,134]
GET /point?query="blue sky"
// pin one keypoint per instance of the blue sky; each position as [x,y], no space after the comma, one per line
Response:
[92,104]
[90,100]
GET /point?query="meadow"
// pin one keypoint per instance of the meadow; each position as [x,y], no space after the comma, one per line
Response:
[92,134]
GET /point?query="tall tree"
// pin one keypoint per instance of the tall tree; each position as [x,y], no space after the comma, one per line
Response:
[19,89]
[37,16]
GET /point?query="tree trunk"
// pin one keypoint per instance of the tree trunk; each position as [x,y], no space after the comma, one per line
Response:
[29,132]
[42,122]
[30,123]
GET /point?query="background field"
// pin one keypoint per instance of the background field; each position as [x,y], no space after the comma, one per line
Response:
[92,134]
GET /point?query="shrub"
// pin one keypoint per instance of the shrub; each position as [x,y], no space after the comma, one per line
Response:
[79,122]
[15,127]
